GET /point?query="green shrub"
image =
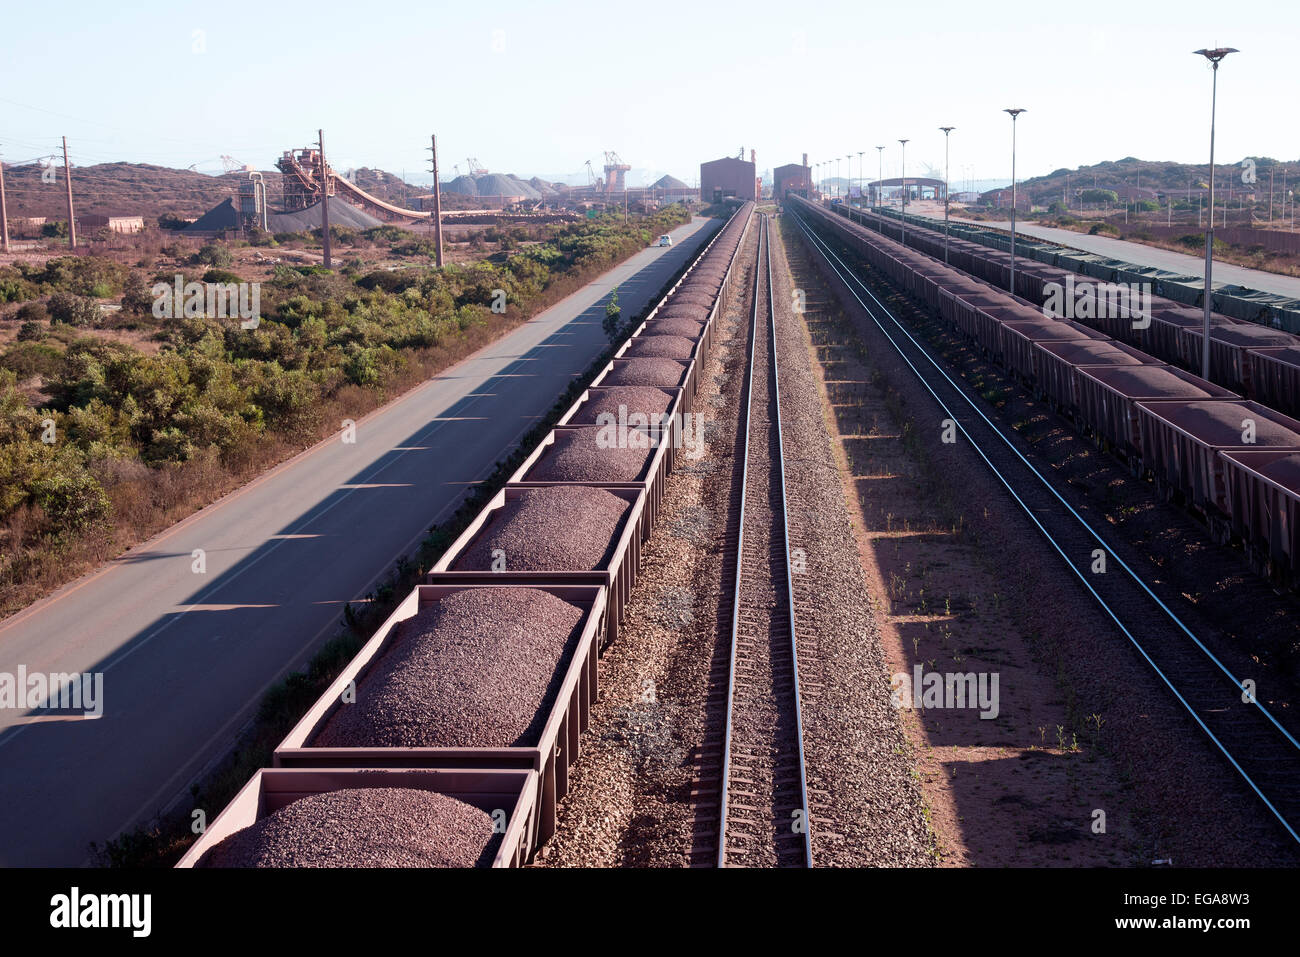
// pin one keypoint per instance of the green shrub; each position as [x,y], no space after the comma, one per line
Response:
[73,309]
[213,254]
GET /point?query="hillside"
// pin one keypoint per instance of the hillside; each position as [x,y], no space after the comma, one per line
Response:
[1131,177]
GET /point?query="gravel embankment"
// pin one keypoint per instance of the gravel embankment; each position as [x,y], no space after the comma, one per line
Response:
[866,808]
[477,669]
[364,827]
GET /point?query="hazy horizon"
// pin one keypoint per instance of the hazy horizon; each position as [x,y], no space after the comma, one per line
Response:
[536,92]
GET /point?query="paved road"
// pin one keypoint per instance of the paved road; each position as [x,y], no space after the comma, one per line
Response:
[187,656]
[1142,255]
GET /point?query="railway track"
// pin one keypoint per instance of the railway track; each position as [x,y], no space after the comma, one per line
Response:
[1261,749]
[762,803]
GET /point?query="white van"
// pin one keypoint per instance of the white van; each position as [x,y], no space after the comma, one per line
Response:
[665,240]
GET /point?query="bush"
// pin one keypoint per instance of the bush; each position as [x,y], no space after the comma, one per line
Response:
[31,332]
[213,254]
[221,276]
[54,230]
[73,309]
[613,316]
[72,499]
[1100,196]
[30,313]
[137,300]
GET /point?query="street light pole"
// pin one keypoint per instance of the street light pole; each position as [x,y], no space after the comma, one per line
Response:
[903,160]
[863,175]
[1214,56]
[880,177]
[1014,113]
[946,190]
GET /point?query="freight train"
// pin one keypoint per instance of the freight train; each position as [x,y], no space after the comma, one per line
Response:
[449,739]
[1231,454]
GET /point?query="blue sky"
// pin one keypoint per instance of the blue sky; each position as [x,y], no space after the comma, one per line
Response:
[536,88]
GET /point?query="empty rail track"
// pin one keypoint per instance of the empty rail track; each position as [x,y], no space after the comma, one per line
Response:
[1232,715]
[763,802]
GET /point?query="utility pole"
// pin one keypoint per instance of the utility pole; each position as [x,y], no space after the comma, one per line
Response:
[324,199]
[437,204]
[4,213]
[67,175]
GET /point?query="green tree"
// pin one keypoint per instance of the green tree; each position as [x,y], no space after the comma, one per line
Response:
[613,316]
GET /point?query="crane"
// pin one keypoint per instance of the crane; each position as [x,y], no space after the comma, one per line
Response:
[475,168]
[614,170]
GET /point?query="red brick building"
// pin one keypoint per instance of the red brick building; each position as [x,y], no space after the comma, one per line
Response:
[728,176]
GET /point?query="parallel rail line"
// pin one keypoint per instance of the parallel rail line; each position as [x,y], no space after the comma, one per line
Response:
[764,792]
[1262,751]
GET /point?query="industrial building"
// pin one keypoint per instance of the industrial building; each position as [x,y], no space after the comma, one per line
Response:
[726,177]
[114,224]
[792,178]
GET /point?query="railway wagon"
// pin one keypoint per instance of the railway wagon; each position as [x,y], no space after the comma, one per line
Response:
[269,790]
[1263,495]
[958,303]
[1107,397]
[655,373]
[617,571]
[1170,304]
[619,404]
[548,464]
[1275,378]
[1229,344]
[1017,337]
[1181,442]
[1057,363]
[557,747]
[1172,424]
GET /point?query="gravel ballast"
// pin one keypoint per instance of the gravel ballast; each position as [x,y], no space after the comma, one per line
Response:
[565,528]
[363,827]
[575,456]
[476,669]
[667,373]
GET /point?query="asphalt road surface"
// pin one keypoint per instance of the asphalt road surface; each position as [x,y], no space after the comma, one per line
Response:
[186,656]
